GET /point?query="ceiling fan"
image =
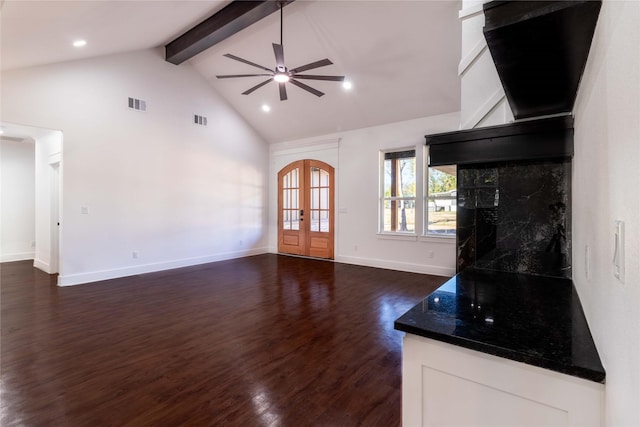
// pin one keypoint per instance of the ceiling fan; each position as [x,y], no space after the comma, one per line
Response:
[281,74]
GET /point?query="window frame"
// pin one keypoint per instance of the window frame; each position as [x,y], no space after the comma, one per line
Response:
[425,205]
[383,199]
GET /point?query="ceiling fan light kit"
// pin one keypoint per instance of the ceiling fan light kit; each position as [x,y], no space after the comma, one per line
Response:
[281,74]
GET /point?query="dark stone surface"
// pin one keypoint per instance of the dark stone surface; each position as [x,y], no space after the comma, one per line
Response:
[515,217]
[530,319]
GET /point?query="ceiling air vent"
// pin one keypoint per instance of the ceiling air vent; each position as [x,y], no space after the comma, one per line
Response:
[200,120]
[137,104]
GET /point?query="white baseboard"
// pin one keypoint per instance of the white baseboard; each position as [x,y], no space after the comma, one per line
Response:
[392,265]
[397,265]
[23,256]
[95,276]
[41,265]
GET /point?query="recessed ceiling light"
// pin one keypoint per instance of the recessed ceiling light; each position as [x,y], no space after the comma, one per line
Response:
[1,131]
[266,108]
[347,85]
[79,43]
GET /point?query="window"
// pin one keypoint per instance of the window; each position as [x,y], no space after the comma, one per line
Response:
[398,202]
[442,192]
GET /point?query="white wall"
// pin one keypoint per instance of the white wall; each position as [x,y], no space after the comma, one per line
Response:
[152,182]
[17,200]
[606,187]
[482,98]
[356,157]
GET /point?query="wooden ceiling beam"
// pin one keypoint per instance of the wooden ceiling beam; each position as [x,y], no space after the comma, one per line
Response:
[234,17]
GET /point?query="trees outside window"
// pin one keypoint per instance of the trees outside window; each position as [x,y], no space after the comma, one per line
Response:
[441,203]
[398,202]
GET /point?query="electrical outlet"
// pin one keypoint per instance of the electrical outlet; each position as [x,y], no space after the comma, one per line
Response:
[135,254]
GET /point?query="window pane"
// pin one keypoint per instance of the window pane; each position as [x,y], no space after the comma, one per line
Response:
[407,177]
[286,220]
[295,224]
[294,199]
[399,191]
[406,216]
[286,180]
[386,226]
[315,198]
[442,200]
[387,178]
[294,178]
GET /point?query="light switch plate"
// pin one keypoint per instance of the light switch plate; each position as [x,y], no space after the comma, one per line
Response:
[618,250]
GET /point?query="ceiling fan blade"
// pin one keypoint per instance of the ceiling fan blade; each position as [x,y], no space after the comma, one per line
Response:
[305,87]
[230,76]
[312,77]
[258,86]
[228,55]
[283,92]
[278,50]
[317,64]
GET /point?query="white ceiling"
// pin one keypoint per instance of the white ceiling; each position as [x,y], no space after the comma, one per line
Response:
[401,56]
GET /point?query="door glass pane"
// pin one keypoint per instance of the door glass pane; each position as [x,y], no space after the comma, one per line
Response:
[315,198]
[324,221]
[324,178]
[315,177]
[315,224]
[294,199]
[286,220]
[286,180]
[324,198]
[286,195]
[295,223]
[294,178]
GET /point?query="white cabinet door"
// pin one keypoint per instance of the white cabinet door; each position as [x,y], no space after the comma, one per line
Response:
[446,385]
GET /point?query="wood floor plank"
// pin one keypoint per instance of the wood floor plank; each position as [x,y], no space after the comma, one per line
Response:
[262,340]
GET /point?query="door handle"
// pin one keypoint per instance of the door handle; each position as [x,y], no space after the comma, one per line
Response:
[301,215]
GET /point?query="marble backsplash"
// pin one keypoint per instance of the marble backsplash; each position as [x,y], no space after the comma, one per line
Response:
[515,217]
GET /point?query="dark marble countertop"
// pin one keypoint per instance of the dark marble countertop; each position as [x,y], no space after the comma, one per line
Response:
[531,319]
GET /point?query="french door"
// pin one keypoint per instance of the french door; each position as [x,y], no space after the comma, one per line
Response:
[305,209]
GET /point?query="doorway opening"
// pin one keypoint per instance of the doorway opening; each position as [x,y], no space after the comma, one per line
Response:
[48,193]
[306,209]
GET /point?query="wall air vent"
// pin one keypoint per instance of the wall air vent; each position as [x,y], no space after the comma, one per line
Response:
[199,120]
[137,104]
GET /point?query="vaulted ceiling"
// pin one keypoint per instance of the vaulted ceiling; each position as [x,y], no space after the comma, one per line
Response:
[401,56]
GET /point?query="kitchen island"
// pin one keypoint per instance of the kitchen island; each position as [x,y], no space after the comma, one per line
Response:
[497,348]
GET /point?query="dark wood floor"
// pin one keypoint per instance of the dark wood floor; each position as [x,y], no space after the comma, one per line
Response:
[259,341]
